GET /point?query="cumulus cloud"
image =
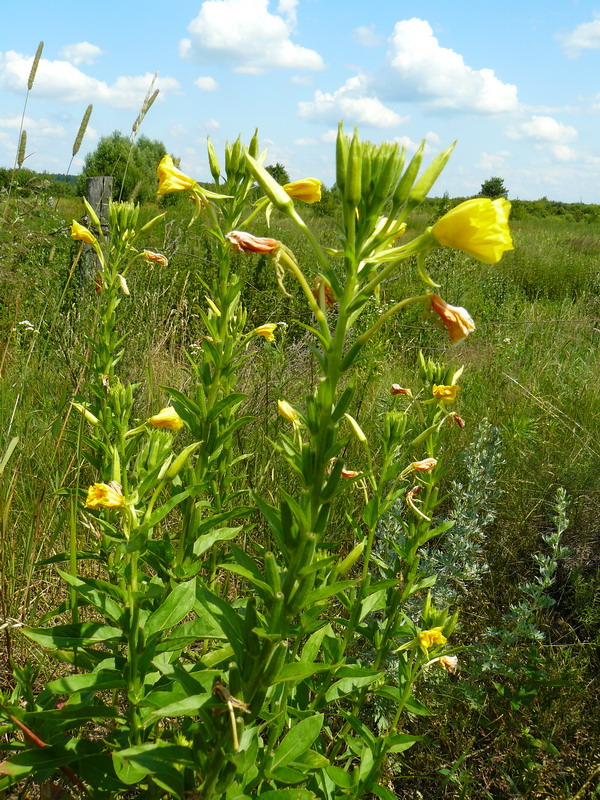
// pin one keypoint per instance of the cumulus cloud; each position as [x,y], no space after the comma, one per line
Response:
[63,82]
[543,129]
[81,53]
[420,69]
[352,103]
[244,34]
[492,161]
[562,152]
[206,84]
[366,36]
[584,37]
[305,142]
[41,127]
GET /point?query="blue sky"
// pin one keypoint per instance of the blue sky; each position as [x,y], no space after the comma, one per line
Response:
[517,84]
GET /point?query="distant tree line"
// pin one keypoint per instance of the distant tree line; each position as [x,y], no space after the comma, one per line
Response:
[133,168]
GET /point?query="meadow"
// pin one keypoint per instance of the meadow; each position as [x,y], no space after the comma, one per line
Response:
[518,717]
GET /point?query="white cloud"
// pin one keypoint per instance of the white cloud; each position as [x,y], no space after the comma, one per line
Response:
[352,104]
[211,124]
[584,37]
[246,35]
[562,152]
[412,147]
[366,36]
[81,53]
[543,129]
[63,82]
[206,84]
[420,69]
[305,142]
[492,161]
[288,9]
[41,127]
[329,136]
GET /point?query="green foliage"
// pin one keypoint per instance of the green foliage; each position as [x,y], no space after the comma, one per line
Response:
[279,173]
[493,187]
[132,166]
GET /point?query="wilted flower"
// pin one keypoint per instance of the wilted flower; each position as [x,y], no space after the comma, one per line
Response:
[104,495]
[446,394]
[81,234]
[395,388]
[171,179]
[430,637]
[287,411]
[167,418]
[124,287]
[308,190]
[156,258]
[458,419]
[457,320]
[320,285]
[349,473]
[449,663]
[247,243]
[267,331]
[426,465]
[478,227]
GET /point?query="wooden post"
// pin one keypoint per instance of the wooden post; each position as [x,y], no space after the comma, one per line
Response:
[98,192]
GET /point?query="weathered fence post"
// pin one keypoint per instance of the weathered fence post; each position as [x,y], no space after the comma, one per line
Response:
[98,192]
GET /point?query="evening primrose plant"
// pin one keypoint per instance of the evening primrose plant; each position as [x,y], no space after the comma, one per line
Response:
[231,642]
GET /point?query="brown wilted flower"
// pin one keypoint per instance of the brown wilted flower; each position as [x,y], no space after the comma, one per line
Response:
[426,465]
[349,473]
[458,419]
[321,285]
[457,320]
[247,243]
[395,388]
[156,258]
[450,663]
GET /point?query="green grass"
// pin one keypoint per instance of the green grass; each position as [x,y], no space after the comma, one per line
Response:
[530,370]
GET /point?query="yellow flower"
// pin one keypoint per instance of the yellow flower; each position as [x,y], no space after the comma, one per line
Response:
[171,179]
[267,330]
[447,394]
[248,243]
[287,411]
[103,495]
[308,190]
[157,258]
[478,227]
[167,418]
[431,637]
[81,234]
[457,320]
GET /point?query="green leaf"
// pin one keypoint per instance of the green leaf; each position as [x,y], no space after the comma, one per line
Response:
[177,606]
[105,679]
[323,592]
[287,794]
[347,685]
[401,742]
[287,775]
[82,634]
[97,592]
[297,741]
[340,777]
[158,516]
[299,671]
[383,792]
[188,707]
[204,543]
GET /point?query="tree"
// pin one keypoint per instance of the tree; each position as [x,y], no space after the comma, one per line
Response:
[133,166]
[493,187]
[279,172]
